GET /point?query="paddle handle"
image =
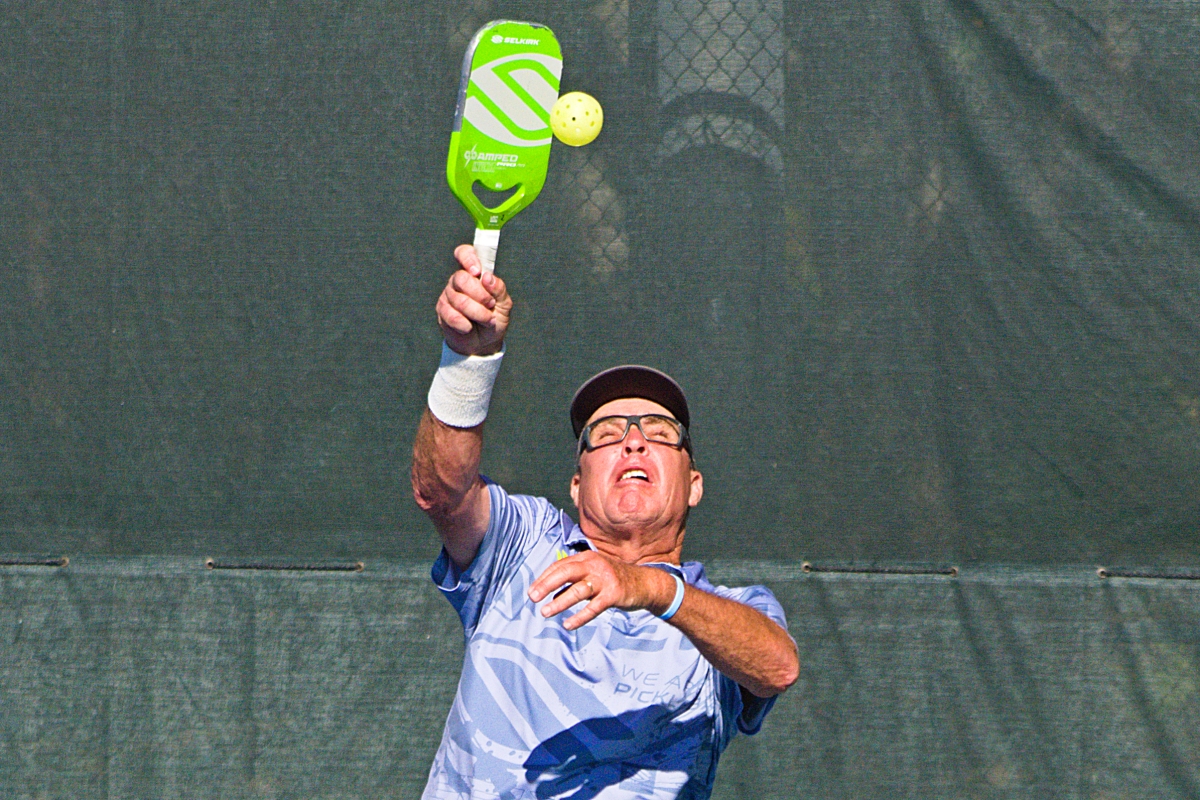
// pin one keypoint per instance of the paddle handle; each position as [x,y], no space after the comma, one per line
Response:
[486,243]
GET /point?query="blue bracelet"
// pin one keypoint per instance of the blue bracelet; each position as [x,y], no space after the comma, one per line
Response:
[678,601]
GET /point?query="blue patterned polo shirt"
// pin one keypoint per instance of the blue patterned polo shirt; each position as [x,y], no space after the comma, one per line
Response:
[623,708]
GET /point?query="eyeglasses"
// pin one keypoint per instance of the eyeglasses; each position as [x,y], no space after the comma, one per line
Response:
[655,428]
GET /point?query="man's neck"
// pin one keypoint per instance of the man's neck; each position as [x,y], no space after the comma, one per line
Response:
[636,547]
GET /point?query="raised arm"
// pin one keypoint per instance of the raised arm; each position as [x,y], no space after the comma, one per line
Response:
[473,312]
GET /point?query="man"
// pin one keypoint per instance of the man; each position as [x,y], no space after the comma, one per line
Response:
[637,692]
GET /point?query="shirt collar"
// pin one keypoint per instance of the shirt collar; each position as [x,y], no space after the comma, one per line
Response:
[573,538]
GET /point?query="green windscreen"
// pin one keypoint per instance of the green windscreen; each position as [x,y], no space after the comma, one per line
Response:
[140,678]
[928,271]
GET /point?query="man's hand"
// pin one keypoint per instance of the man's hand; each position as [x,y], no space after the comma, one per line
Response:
[474,308]
[605,582]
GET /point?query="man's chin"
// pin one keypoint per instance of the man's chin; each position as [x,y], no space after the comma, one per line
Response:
[635,515]
[635,503]
[630,511]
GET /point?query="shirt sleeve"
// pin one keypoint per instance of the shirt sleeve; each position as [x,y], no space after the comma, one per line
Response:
[749,711]
[515,525]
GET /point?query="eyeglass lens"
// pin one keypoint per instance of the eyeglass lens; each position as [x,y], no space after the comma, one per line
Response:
[654,428]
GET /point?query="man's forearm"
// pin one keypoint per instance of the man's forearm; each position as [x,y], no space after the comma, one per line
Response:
[447,486]
[742,643]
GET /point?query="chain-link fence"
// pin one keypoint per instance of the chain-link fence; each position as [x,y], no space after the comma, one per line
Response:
[926,271]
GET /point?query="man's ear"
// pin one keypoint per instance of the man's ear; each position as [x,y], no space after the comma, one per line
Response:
[575,488]
[696,490]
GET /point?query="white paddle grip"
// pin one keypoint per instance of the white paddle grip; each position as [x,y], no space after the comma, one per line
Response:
[486,243]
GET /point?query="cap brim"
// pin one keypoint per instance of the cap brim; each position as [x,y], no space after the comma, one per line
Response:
[629,380]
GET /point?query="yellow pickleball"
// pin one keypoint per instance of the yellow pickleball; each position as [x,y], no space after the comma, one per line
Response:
[576,119]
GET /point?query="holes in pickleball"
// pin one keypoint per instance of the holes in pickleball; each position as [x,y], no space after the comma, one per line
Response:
[492,198]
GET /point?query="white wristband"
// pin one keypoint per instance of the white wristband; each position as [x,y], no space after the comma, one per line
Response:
[462,387]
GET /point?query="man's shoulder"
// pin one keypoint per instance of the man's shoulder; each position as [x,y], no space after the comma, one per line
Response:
[528,523]
[523,532]
[523,509]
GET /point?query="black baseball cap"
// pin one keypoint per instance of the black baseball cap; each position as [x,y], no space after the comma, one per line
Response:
[629,380]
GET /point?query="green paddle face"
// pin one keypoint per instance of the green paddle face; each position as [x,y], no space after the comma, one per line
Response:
[502,135]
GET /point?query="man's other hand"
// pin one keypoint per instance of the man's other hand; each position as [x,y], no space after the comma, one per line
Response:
[474,309]
[604,582]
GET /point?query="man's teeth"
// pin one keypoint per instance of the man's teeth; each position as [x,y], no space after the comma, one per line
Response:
[633,473]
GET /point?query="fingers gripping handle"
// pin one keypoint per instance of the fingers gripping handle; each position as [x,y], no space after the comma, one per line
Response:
[486,243]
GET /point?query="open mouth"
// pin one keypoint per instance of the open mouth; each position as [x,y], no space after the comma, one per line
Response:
[634,474]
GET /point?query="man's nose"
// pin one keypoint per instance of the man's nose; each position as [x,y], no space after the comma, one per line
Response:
[634,441]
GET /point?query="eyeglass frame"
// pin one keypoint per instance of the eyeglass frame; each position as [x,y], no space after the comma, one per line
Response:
[685,441]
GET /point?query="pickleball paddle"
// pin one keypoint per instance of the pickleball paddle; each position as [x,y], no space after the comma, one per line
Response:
[501,137]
